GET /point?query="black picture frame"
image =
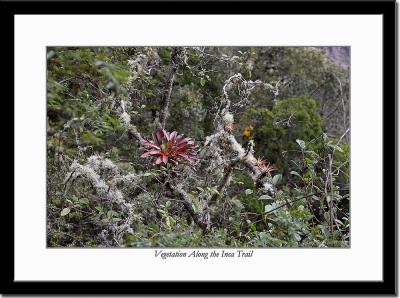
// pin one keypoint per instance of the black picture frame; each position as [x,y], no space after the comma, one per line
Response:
[385,8]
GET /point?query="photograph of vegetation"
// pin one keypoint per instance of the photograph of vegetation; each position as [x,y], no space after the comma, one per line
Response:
[198,147]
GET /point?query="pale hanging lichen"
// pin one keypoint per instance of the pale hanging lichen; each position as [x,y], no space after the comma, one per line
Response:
[105,177]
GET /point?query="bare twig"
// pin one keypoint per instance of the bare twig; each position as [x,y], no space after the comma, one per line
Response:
[343,135]
[134,133]
[166,94]
[343,106]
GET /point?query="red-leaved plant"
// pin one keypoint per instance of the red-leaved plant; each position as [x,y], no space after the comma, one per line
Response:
[264,166]
[169,147]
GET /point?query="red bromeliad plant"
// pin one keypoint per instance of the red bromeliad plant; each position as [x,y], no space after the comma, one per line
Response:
[264,166]
[169,147]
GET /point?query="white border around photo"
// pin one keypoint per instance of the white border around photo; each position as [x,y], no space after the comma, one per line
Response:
[33,33]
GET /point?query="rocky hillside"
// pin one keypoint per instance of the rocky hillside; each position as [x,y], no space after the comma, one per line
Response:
[341,55]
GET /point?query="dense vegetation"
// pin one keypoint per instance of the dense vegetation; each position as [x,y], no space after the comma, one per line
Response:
[197,147]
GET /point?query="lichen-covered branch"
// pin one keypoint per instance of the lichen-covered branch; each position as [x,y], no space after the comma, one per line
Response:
[106,190]
[134,133]
[244,88]
[226,178]
[201,217]
[224,135]
[261,179]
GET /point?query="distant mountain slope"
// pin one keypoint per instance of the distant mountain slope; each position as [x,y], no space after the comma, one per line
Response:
[341,55]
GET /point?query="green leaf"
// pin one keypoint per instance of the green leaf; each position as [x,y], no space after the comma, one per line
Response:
[57,201]
[328,199]
[199,189]
[308,218]
[147,174]
[84,201]
[265,197]
[327,217]
[248,192]
[277,178]
[202,82]
[268,208]
[65,211]
[237,203]
[309,161]
[214,190]
[296,236]
[302,144]
[324,230]
[339,221]
[112,214]
[336,147]
[89,138]
[295,174]
[167,221]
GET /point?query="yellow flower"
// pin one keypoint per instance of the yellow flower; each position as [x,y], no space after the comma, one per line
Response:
[248,131]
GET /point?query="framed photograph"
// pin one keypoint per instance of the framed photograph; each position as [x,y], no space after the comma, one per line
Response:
[201,148]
